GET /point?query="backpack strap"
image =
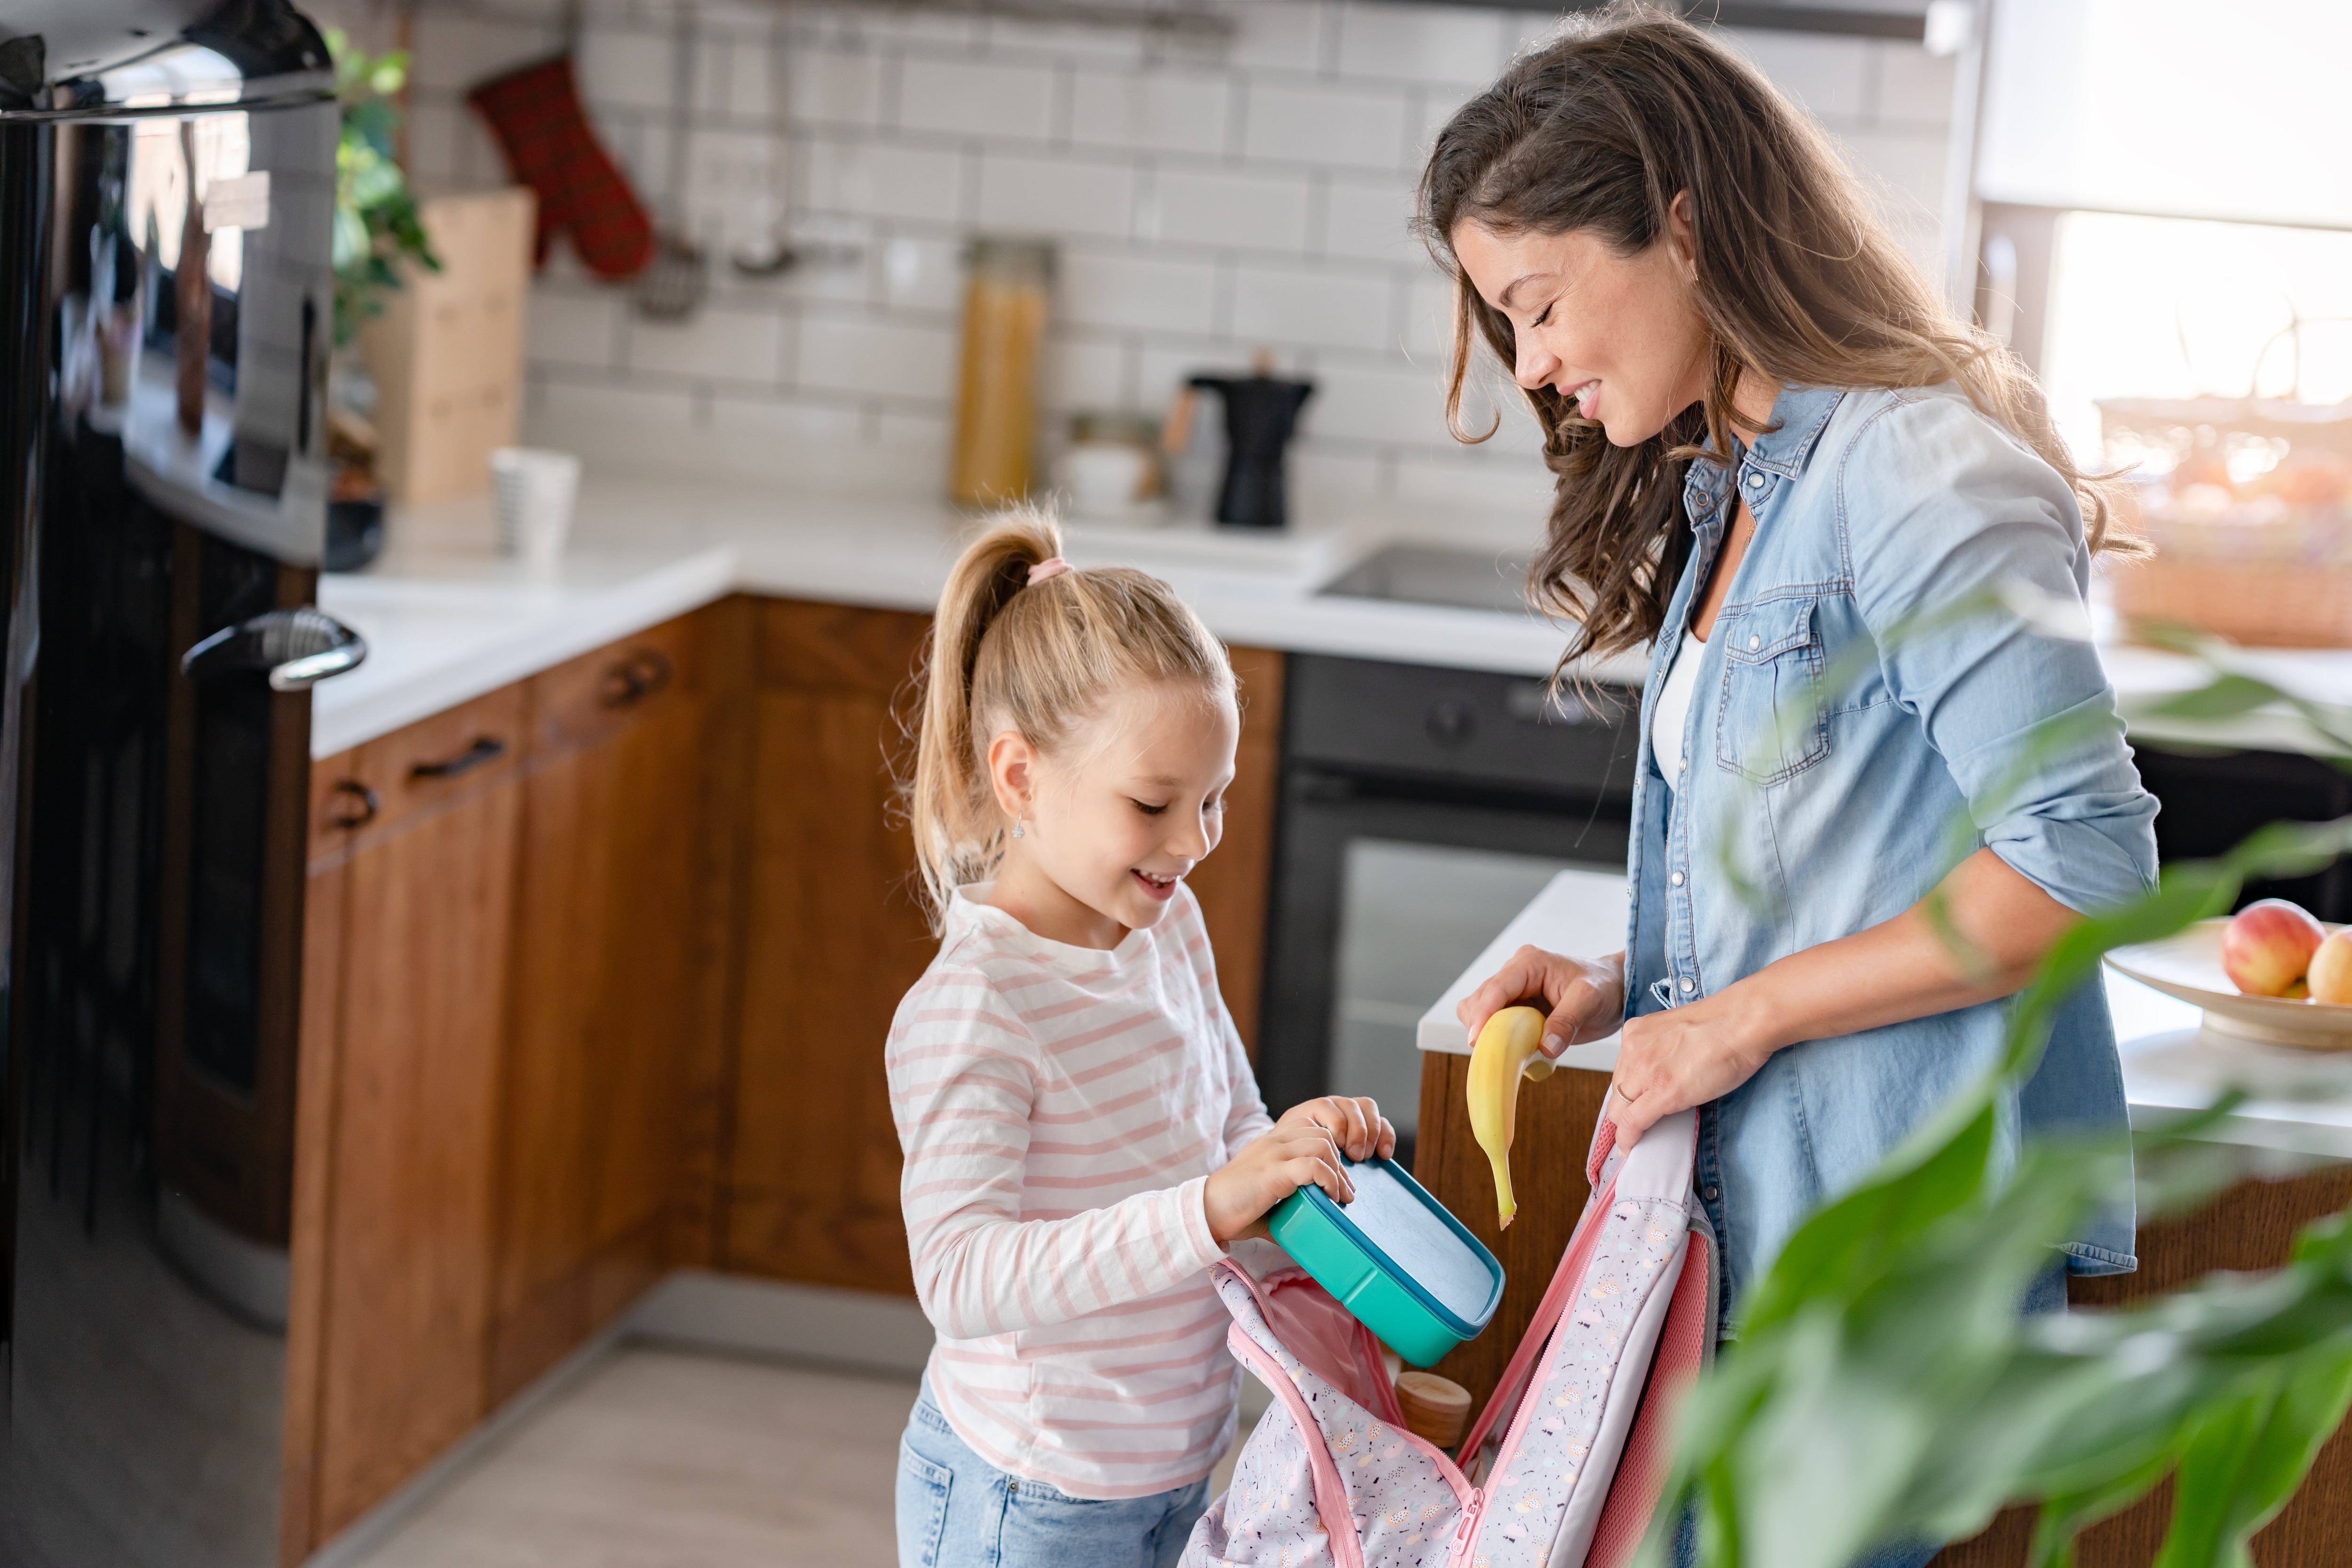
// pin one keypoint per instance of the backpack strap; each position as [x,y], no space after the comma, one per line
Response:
[1660,1165]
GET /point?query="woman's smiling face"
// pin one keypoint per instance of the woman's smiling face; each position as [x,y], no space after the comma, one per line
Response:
[1620,335]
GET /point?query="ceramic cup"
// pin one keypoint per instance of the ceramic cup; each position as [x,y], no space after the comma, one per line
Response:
[1106,479]
[534,490]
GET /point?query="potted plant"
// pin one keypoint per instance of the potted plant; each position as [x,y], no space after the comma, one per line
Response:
[377,231]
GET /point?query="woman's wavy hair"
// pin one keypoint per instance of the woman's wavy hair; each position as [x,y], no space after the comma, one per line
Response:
[1598,128]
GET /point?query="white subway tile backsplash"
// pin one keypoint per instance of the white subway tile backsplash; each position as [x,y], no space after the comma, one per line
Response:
[1050,196]
[1368,219]
[976,97]
[1082,372]
[569,329]
[1429,320]
[1825,74]
[922,273]
[606,421]
[1201,206]
[872,354]
[1372,400]
[454,50]
[1421,43]
[433,142]
[1312,305]
[1282,34]
[1205,202]
[1135,290]
[881,179]
[1348,127]
[1471,478]
[758,420]
[833,87]
[1151,111]
[626,67]
[730,345]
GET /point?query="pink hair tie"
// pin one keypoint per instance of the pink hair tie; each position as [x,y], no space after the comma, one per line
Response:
[1047,569]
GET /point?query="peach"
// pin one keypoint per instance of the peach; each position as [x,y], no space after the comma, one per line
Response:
[2267,946]
[2331,969]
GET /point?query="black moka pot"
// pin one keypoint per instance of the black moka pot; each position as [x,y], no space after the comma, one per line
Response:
[1261,415]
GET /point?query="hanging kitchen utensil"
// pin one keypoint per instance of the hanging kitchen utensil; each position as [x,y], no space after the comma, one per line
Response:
[672,286]
[542,128]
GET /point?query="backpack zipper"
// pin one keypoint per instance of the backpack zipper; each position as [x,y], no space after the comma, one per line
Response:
[1466,1531]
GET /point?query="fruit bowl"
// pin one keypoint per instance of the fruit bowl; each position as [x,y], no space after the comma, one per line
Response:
[2187,965]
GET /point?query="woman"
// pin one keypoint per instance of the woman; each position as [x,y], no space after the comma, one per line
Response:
[1781,459]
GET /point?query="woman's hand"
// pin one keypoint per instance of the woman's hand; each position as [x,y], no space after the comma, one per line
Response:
[1582,998]
[1684,1057]
[1304,1147]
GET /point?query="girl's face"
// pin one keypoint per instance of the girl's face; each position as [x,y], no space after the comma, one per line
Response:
[1620,335]
[1134,801]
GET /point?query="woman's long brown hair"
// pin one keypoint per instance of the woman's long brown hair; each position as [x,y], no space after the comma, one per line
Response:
[1599,131]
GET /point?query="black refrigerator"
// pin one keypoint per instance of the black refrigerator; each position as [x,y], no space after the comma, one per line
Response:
[167,190]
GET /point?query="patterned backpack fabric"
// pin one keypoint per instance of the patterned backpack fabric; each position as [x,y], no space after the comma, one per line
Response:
[1564,1467]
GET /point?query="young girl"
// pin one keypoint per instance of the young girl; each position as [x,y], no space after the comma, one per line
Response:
[1082,1134]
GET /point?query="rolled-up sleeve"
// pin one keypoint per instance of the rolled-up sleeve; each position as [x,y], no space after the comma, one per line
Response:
[1941,511]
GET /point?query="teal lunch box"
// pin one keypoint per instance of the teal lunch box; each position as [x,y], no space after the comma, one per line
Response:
[1395,1258]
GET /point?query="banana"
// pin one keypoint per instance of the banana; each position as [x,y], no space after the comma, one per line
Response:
[1508,1047]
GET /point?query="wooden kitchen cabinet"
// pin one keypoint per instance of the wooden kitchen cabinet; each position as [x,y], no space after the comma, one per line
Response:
[410,891]
[607,945]
[834,934]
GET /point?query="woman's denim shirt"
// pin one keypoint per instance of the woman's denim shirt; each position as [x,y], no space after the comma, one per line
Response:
[1808,813]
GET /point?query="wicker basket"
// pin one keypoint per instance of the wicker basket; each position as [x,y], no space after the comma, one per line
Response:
[2249,507]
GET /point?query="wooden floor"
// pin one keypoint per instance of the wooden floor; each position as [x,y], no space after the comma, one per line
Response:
[658,1459]
[663,1460]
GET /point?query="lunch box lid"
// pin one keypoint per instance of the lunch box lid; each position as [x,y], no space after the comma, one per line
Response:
[1411,1237]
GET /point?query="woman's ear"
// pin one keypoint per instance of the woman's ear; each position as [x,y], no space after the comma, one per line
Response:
[1682,232]
[1013,768]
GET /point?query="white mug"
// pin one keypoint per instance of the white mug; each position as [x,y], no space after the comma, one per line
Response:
[533,489]
[1104,479]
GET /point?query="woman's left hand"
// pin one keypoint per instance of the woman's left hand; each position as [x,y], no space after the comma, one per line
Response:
[1684,1057]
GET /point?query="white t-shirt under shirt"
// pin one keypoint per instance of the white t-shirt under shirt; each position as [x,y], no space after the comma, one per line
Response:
[1060,1109]
[1673,711]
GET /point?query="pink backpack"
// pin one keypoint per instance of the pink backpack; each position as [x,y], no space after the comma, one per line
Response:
[1570,1451]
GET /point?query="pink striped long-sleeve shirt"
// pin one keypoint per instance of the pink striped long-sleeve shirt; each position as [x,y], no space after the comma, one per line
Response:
[1060,1109]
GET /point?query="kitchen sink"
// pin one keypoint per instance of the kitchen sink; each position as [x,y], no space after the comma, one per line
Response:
[1435,574]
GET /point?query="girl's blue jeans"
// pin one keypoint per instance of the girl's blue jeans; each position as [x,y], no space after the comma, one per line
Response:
[956,1511]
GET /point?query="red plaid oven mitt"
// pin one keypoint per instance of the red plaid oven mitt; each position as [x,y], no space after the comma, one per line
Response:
[542,128]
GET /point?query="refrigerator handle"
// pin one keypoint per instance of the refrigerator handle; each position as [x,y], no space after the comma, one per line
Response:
[295,648]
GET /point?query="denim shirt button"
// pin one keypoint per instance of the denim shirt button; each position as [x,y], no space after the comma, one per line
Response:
[1755,482]
[1688,982]
[1676,878]
[1754,643]
[1710,1193]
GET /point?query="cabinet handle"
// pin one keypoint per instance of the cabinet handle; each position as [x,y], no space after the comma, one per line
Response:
[484,749]
[360,812]
[635,678]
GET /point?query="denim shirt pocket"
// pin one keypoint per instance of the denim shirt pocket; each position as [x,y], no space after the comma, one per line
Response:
[1771,722]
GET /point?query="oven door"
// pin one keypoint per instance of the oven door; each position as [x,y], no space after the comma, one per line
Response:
[1422,807]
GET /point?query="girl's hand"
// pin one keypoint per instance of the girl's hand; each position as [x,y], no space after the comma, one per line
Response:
[1276,1165]
[1683,1057]
[1355,1124]
[1584,998]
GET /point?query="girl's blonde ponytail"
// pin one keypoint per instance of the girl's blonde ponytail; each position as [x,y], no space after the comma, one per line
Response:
[1004,655]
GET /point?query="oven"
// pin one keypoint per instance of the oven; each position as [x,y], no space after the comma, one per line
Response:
[1420,808]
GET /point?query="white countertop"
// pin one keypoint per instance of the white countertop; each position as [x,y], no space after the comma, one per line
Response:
[2302,1102]
[448,619]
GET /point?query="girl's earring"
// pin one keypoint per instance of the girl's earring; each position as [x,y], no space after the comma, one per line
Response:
[1020,827]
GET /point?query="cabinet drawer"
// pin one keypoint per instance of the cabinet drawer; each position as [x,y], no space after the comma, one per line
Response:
[601,693]
[386,781]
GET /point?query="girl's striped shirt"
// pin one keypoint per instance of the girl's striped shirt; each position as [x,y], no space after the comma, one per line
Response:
[1060,1109]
